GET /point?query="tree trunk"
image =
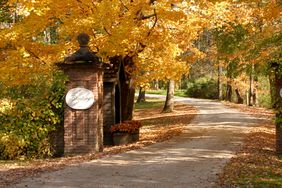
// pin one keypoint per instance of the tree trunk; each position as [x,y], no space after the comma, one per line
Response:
[251,87]
[141,96]
[219,81]
[272,88]
[127,100]
[240,100]
[47,35]
[278,106]
[255,93]
[127,90]
[156,85]
[247,98]
[228,92]
[15,15]
[250,93]
[229,75]
[169,102]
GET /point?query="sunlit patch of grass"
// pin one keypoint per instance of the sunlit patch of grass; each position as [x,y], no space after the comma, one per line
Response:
[157,92]
[149,103]
[179,93]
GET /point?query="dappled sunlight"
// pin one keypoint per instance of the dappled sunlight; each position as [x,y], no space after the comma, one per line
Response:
[167,156]
[147,166]
[180,109]
[5,105]
[196,155]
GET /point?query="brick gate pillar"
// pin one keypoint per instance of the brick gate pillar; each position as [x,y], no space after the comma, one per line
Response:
[83,128]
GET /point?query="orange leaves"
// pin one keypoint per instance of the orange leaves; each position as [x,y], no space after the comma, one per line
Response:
[124,28]
[126,126]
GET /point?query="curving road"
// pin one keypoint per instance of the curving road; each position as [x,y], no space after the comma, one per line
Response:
[191,160]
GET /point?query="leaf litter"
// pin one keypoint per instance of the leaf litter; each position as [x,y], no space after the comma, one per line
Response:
[256,164]
[157,127]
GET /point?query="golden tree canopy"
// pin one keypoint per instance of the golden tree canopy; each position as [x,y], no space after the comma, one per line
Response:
[159,34]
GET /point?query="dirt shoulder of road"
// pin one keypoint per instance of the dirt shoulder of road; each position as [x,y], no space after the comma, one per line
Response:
[256,164]
[157,127]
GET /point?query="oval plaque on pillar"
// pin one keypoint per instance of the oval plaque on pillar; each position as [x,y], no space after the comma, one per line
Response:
[80,98]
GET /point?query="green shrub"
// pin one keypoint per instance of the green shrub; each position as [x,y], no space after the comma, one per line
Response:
[35,111]
[264,98]
[202,88]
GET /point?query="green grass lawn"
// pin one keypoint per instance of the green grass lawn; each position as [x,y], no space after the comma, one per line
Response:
[149,103]
[179,93]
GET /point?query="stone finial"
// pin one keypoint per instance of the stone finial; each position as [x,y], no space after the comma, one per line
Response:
[83,53]
[83,39]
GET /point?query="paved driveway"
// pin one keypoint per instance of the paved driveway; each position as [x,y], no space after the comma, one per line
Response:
[191,160]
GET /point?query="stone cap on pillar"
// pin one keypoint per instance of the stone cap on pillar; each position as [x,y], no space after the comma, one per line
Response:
[83,54]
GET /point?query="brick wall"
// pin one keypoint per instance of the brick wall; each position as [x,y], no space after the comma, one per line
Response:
[109,111]
[83,129]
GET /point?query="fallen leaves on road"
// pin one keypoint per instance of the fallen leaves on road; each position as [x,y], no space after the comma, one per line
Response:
[252,110]
[157,127]
[256,164]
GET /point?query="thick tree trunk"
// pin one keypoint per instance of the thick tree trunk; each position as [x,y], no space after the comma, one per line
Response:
[127,90]
[169,103]
[240,100]
[127,100]
[219,87]
[278,106]
[141,95]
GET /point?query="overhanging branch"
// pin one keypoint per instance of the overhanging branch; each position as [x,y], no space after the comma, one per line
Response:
[154,25]
[36,56]
[107,31]
[124,5]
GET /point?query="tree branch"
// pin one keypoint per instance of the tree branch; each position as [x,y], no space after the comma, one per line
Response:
[107,31]
[36,56]
[143,17]
[124,5]
[154,25]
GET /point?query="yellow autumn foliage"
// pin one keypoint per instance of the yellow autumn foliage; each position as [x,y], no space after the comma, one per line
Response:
[157,34]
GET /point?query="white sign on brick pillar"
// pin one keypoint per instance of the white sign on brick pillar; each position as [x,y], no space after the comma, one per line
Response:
[80,98]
